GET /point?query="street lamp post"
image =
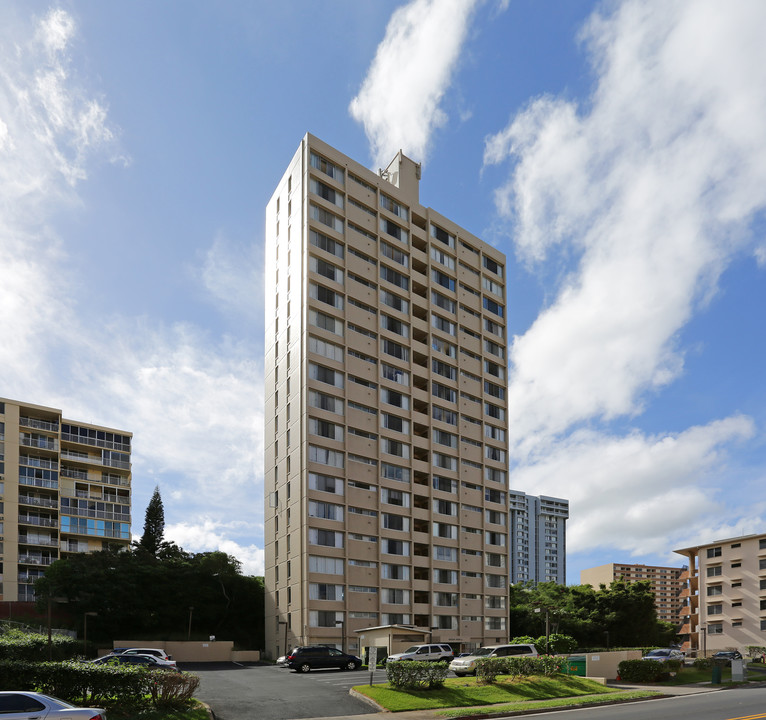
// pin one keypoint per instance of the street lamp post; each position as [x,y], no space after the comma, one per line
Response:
[547,628]
[85,630]
[606,632]
[342,623]
[431,633]
[703,630]
[191,610]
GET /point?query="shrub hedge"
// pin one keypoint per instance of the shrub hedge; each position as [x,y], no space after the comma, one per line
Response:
[487,669]
[641,670]
[20,645]
[416,674]
[88,684]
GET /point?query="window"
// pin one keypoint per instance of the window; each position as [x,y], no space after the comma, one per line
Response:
[492,286]
[444,461]
[395,278]
[492,266]
[494,328]
[494,369]
[394,254]
[322,401]
[495,581]
[442,301]
[326,322]
[714,552]
[494,390]
[494,348]
[714,571]
[445,577]
[495,517]
[445,507]
[394,572]
[326,349]
[394,472]
[326,511]
[444,415]
[325,483]
[441,437]
[325,375]
[326,538]
[443,392]
[394,447]
[444,484]
[715,590]
[394,207]
[442,236]
[495,496]
[328,168]
[324,618]
[445,530]
[442,258]
[395,374]
[396,423]
[395,326]
[395,547]
[324,428]
[392,229]
[394,301]
[323,456]
[324,591]
[394,497]
[493,453]
[326,269]
[493,307]
[395,398]
[494,411]
[400,352]
[396,522]
[494,538]
[325,243]
[326,192]
[717,628]
[495,433]
[446,554]
[444,280]
[326,218]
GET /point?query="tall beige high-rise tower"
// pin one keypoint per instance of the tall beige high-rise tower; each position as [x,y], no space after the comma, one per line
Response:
[385,412]
[64,488]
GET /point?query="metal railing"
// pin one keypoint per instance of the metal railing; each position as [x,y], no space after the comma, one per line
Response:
[36,559]
[39,424]
[39,502]
[95,442]
[39,482]
[35,520]
[38,540]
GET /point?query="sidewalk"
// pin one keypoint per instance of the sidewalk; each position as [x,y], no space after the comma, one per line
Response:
[434,714]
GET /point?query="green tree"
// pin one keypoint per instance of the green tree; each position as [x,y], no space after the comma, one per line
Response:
[152,540]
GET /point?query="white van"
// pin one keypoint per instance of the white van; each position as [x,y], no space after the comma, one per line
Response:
[467,665]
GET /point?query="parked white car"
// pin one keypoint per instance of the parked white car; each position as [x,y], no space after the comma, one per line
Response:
[26,705]
[162,657]
[467,665]
[436,653]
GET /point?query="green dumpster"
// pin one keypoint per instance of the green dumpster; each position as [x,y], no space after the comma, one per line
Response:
[576,665]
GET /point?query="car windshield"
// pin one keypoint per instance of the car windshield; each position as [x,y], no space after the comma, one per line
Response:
[481,652]
[658,653]
[412,649]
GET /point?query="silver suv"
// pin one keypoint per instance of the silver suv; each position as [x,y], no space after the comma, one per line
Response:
[466,665]
[434,653]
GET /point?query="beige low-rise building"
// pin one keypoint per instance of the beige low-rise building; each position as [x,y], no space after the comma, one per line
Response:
[724,601]
[666,584]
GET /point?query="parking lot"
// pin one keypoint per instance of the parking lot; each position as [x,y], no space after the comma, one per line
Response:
[237,692]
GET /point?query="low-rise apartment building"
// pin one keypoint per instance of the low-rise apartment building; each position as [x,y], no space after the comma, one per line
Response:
[724,601]
[666,584]
[64,488]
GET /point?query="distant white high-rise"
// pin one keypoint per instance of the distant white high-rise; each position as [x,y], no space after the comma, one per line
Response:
[537,529]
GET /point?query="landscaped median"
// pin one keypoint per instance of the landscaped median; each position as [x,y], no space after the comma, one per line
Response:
[506,694]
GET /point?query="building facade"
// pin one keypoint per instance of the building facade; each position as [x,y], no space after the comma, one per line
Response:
[64,488]
[385,411]
[666,583]
[724,598]
[538,538]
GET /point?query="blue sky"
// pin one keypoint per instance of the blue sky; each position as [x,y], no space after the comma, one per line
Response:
[614,151]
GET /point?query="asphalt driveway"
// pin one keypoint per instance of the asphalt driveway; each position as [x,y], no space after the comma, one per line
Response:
[242,692]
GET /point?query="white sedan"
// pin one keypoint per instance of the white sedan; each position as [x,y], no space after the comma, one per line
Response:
[32,706]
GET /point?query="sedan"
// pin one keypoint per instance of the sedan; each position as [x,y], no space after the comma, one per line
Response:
[26,705]
[726,656]
[148,661]
[664,654]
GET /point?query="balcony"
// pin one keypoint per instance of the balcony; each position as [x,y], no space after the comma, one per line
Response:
[39,424]
[38,540]
[39,482]
[39,521]
[40,442]
[95,442]
[37,501]
[36,560]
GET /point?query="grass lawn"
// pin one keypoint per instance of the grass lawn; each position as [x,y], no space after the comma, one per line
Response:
[118,712]
[464,692]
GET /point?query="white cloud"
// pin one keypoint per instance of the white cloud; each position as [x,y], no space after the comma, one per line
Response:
[194,402]
[636,494]
[648,190]
[399,101]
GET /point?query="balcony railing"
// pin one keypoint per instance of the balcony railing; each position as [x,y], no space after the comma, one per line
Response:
[30,577]
[40,521]
[32,461]
[36,559]
[39,424]
[39,442]
[39,502]
[38,540]
[100,514]
[74,546]
[107,444]
[26,593]
[39,482]
[75,474]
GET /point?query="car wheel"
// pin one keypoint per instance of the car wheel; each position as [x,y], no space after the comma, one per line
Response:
[350,665]
[304,667]
[460,674]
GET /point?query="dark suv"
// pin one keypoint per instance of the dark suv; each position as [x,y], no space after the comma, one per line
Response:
[309,657]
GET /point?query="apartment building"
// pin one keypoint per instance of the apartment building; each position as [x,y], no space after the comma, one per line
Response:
[537,538]
[666,584]
[385,411]
[64,488]
[724,598]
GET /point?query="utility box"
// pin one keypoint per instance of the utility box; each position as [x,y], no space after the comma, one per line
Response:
[576,665]
[737,670]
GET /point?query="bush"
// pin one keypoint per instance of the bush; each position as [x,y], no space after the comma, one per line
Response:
[674,666]
[88,684]
[487,669]
[703,663]
[416,675]
[641,670]
[19,645]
